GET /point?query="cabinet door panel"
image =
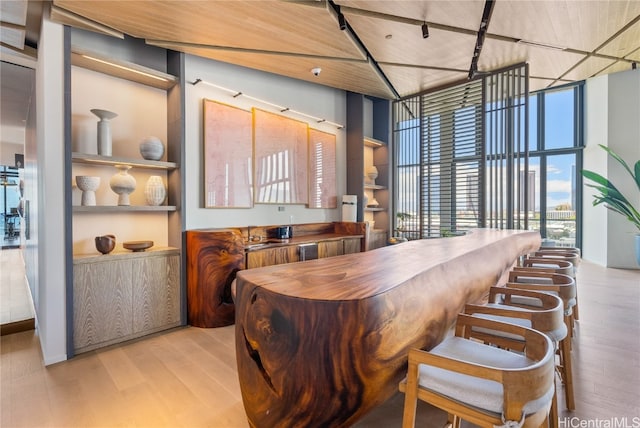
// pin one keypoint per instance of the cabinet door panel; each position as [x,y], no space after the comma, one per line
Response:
[330,249]
[272,256]
[156,292]
[102,301]
[352,245]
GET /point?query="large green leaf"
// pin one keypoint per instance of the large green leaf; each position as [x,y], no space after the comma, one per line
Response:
[609,195]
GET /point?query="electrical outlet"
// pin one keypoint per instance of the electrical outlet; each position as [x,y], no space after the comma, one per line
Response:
[280,208]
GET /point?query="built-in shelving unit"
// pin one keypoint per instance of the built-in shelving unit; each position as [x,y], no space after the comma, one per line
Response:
[367,147]
[156,98]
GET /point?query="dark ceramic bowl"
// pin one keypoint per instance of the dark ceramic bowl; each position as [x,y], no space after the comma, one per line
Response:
[106,243]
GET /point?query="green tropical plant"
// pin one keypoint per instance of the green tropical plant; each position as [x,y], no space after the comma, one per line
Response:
[609,195]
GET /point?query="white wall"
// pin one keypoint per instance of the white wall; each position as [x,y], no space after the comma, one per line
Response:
[11,142]
[309,98]
[595,159]
[624,139]
[613,119]
[49,231]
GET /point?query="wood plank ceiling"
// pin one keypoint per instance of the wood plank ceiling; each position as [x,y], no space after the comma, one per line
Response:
[382,52]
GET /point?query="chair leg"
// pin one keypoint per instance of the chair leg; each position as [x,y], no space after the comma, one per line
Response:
[567,372]
[576,312]
[410,397]
[453,421]
[553,413]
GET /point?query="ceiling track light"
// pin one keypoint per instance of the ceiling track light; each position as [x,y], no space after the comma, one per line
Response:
[282,109]
[342,23]
[425,31]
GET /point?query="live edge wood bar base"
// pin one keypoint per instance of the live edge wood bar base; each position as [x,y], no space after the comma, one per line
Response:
[321,343]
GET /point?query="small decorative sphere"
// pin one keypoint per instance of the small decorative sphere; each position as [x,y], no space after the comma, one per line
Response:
[152,148]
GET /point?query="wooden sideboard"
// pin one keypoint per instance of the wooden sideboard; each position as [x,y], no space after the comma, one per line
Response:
[124,295]
[214,256]
[321,343]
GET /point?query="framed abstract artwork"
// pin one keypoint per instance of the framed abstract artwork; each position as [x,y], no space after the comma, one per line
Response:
[323,192]
[228,156]
[281,154]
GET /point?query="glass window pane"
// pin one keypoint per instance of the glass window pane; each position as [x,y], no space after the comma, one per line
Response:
[561,199]
[558,119]
[533,187]
[533,123]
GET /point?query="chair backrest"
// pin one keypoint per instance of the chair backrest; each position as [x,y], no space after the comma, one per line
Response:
[522,385]
[574,258]
[573,250]
[546,314]
[537,280]
[555,265]
[541,311]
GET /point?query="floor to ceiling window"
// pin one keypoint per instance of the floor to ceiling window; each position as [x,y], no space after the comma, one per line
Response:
[555,159]
[466,158]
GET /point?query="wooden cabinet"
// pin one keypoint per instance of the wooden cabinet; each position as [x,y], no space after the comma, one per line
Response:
[121,296]
[156,292]
[272,256]
[352,245]
[330,248]
[377,238]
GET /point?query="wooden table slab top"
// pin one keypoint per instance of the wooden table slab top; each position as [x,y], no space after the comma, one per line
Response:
[362,275]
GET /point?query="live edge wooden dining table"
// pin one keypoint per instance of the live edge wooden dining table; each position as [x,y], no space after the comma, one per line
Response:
[320,343]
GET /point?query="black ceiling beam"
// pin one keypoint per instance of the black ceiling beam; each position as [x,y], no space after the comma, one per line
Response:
[482,32]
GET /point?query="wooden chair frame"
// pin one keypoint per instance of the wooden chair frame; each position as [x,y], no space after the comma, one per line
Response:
[565,286]
[546,318]
[520,385]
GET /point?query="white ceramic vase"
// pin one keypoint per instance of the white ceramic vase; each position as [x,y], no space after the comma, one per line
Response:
[104,130]
[372,173]
[154,191]
[151,148]
[123,184]
[88,185]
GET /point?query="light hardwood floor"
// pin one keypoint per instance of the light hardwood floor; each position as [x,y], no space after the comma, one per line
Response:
[187,377]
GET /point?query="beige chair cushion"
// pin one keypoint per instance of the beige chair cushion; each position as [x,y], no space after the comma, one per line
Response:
[481,393]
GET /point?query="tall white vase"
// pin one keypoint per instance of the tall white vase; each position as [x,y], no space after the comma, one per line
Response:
[154,191]
[104,130]
[123,184]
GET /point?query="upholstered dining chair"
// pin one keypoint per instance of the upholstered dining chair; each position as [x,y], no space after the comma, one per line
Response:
[564,287]
[564,264]
[568,255]
[485,385]
[544,315]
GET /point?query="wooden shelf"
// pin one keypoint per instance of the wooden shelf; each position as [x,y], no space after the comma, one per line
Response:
[372,142]
[374,187]
[122,69]
[122,209]
[114,160]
